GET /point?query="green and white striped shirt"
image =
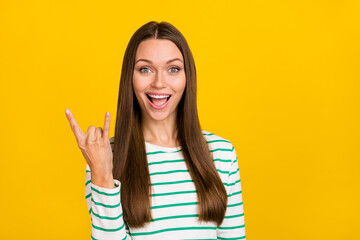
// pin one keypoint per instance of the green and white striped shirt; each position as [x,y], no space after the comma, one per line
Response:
[174,198]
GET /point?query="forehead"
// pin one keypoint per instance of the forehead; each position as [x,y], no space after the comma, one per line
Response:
[158,50]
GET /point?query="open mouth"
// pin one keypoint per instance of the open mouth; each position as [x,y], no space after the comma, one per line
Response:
[158,100]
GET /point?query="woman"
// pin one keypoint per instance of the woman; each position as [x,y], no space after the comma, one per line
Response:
[177,181]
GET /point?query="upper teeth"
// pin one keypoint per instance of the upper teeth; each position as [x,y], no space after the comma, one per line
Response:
[158,96]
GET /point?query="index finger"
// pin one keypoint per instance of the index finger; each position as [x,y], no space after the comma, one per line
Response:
[106,126]
[74,126]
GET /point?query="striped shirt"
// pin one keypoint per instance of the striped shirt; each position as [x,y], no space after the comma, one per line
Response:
[174,199]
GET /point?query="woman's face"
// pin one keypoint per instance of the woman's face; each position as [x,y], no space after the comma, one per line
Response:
[159,78]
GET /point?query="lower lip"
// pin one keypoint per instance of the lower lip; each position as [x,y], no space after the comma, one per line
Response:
[156,106]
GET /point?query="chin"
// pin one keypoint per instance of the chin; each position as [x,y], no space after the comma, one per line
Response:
[158,116]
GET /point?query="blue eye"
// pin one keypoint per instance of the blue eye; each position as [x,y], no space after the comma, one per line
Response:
[177,69]
[143,71]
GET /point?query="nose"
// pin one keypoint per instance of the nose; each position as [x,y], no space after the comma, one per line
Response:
[159,80]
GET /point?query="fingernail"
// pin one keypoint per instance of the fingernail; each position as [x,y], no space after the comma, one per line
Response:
[67,111]
[107,113]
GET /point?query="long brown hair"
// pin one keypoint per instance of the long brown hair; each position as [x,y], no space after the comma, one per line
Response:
[130,161]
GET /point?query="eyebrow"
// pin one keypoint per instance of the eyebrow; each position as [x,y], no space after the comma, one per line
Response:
[146,60]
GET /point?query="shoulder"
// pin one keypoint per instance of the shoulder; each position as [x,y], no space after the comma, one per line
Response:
[217,143]
[222,149]
[223,153]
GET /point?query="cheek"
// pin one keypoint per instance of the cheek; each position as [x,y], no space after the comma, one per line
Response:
[137,89]
[137,85]
[180,84]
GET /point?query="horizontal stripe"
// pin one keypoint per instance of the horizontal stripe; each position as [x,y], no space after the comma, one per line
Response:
[167,161]
[104,193]
[208,134]
[87,183]
[88,171]
[231,184]
[105,205]
[237,238]
[94,238]
[157,152]
[234,193]
[174,205]
[168,183]
[173,229]
[234,227]
[171,193]
[105,217]
[235,161]
[108,229]
[234,216]
[87,196]
[222,149]
[224,172]
[234,205]
[221,140]
[234,172]
[222,160]
[168,172]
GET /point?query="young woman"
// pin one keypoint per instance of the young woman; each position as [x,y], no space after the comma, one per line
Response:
[160,176]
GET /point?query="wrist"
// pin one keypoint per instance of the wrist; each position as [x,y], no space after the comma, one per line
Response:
[101,180]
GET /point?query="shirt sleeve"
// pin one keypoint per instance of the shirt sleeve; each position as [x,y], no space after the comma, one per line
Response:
[104,205]
[233,225]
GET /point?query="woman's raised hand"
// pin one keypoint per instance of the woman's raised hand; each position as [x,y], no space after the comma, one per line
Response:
[95,147]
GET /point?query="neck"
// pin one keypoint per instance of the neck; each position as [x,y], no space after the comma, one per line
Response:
[161,133]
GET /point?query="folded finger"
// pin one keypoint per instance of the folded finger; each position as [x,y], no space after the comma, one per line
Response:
[98,133]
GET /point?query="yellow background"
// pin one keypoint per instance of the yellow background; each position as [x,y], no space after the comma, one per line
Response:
[280,79]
